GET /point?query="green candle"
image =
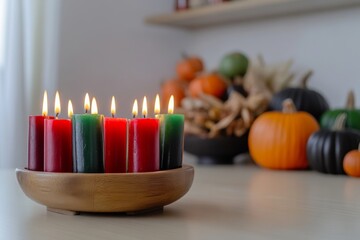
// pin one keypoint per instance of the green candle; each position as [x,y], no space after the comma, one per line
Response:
[171,138]
[87,140]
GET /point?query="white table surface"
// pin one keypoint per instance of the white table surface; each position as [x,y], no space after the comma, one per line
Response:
[225,202]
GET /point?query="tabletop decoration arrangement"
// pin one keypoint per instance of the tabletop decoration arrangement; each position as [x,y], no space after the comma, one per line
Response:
[249,106]
[92,163]
[297,140]
[220,106]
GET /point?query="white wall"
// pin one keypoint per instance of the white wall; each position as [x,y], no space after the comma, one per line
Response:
[328,42]
[106,49]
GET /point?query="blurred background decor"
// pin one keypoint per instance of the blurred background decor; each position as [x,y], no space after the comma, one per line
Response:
[119,48]
[220,105]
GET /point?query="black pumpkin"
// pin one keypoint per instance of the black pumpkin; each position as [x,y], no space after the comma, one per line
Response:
[305,99]
[326,148]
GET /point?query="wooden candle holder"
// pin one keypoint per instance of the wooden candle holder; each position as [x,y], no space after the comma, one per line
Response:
[72,193]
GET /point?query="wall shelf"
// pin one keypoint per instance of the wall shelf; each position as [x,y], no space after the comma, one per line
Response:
[240,10]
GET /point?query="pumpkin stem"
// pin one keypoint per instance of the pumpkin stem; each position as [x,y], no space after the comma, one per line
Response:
[288,106]
[305,79]
[350,101]
[339,122]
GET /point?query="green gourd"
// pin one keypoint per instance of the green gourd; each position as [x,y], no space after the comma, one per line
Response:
[352,115]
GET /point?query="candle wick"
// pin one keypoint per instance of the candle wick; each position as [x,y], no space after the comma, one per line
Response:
[86,110]
[57,114]
[134,116]
[113,115]
[144,116]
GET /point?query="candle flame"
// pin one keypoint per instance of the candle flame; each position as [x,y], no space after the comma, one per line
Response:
[45,105]
[171,105]
[70,109]
[57,104]
[113,107]
[157,104]
[135,109]
[94,108]
[144,107]
[87,103]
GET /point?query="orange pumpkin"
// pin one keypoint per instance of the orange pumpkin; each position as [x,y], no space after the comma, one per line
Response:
[197,63]
[352,163]
[189,67]
[212,84]
[277,140]
[172,87]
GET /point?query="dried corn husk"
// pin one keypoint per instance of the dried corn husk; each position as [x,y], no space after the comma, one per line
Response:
[211,117]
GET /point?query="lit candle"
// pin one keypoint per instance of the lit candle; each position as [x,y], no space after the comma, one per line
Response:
[36,138]
[115,137]
[87,139]
[171,136]
[70,109]
[143,155]
[57,141]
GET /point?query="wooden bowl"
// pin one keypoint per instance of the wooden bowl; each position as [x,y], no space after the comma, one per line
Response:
[99,192]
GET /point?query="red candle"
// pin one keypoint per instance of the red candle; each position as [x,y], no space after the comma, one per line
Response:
[36,139]
[143,142]
[57,142]
[115,136]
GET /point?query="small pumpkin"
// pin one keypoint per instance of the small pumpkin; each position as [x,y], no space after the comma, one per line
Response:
[277,140]
[326,148]
[211,83]
[197,63]
[353,115]
[352,163]
[304,98]
[188,68]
